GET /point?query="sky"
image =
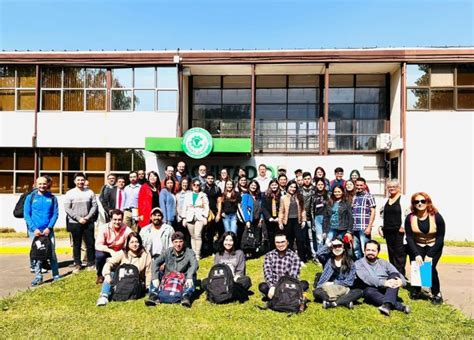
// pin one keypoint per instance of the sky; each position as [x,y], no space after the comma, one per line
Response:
[229,24]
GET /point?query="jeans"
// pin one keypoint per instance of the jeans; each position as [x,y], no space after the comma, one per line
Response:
[377,296]
[318,242]
[100,259]
[360,239]
[37,265]
[230,223]
[333,233]
[106,287]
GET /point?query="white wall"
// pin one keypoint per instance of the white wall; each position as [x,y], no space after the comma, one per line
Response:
[439,150]
[16,128]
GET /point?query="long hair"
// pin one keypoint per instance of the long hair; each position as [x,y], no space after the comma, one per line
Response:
[185,178]
[158,184]
[429,203]
[257,191]
[221,248]
[333,198]
[139,239]
[322,169]
[298,194]
[347,261]
[233,193]
[239,187]
[172,179]
[273,194]
[324,192]
[355,171]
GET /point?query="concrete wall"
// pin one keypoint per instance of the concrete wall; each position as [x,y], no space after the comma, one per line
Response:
[16,128]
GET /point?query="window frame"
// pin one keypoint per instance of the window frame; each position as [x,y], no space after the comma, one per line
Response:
[17,89]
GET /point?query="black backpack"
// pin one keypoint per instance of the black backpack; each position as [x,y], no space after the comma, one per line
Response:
[288,296]
[40,248]
[18,211]
[250,239]
[126,283]
[220,285]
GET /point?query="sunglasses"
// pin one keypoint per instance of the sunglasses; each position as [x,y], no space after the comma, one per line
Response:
[337,246]
[196,185]
[419,201]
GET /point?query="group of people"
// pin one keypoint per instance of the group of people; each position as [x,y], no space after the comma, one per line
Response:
[164,227]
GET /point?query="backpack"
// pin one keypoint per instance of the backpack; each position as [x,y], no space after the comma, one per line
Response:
[18,211]
[250,239]
[220,286]
[288,296]
[40,248]
[171,287]
[126,283]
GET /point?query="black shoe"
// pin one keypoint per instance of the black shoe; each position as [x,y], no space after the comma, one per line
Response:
[152,301]
[385,309]
[186,301]
[437,299]
[414,295]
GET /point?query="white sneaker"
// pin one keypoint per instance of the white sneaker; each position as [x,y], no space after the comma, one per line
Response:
[102,301]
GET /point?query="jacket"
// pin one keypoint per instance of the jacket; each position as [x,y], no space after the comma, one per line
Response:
[319,205]
[141,261]
[346,221]
[165,232]
[251,208]
[40,211]
[267,207]
[198,211]
[145,200]
[168,206]
[185,262]
[308,197]
[284,210]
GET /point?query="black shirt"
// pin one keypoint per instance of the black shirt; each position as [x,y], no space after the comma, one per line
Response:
[213,193]
[392,215]
[155,200]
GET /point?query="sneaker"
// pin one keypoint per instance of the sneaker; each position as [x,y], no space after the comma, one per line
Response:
[37,280]
[327,304]
[152,301]
[102,301]
[44,270]
[56,278]
[385,309]
[350,305]
[186,301]
[406,309]
[77,269]
[414,295]
[32,270]
[90,267]
[437,299]
[99,280]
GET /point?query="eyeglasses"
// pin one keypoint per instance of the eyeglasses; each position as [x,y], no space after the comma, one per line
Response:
[196,185]
[419,201]
[337,246]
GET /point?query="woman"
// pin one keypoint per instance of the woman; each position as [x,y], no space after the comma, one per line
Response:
[195,214]
[227,207]
[292,220]
[270,210]
[252,209]
[148,198]
[320,173]
[168,201]
[333,287]
[320,203]
[135,254]
[235,259]
[354,175]
[242,185]
[350,191]
[223,178]
[338,221]
[425,229]
[393,212]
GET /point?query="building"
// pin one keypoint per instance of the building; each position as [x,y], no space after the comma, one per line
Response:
[101,112]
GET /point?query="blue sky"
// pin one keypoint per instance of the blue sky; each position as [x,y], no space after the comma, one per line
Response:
[211,24]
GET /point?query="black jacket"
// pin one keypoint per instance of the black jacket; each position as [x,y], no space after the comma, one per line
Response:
[346,221]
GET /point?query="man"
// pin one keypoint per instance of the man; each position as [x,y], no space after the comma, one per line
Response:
[299,181]
[156,236]
[213,193]
[338,181]
[202,172]
[281,170]
[110,240]
[141,177]
[41,213]
[131,201]
[308,191]
[80,206]
[111,179]
[282,182]
[114,198]
[180,171]
[262,178]
[380,280]
[363,211]
[278,263]
[298,172]
[176,259]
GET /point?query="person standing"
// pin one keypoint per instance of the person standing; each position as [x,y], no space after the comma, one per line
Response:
[180,171]
[80,205]
[141,177]
[223,178]
[130,208]
[263,179]
[213,195]
[168,200]
[148,198]
[227,206]
[319,210]
[338,180]
[425,230]
[114,198]
[202,173]
[393,212]
[41,213]
[338,220]
[308,192]
[363,211]
[270,211]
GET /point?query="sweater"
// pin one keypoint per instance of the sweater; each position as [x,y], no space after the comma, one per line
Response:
[79,204]
[235,260]
[184,262]
[375,274]
[142,261]
[40,211]
[168,206]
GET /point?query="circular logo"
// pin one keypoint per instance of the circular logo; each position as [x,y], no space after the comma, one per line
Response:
[197,143]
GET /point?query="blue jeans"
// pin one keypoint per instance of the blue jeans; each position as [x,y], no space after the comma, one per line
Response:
[333,233]
[318,229]
[106,287]
[360,239]
[37,265]
[230,223]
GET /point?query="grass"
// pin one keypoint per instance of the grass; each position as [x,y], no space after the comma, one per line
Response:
[67,309]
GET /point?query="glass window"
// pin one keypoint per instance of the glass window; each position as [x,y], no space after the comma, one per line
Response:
[207,96]
[301,112]
[304,95]
[95,100]
[365,142]
[145,78]
[417,99]
[370,111]
[270,112]
[341,95]
[51,100]
[95,160]
[466,98]
[6,182]
[369,126]
[121,160]
[74,77]
[7,76]
[204,111]
[271,96]
[236,96]
[7,100]
[418,75]
[237,82]
[167,101]
[236,111]
[144,100]
[26,100]
[51,77]
[341,80]
[96,77]
[271,81]
[341,111]
[26,76]
[24,182]
[122,77]
[370,80]
[25,159]
[303,80]
[73,160]
[50,159]
[369,95]
[73,100]
[442,76]
[442,99]
[6,159]
[96,182]
[465,74]
[206,82]
[122,100]
[167,78]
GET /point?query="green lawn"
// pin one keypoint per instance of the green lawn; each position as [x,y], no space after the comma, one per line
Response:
[67,309]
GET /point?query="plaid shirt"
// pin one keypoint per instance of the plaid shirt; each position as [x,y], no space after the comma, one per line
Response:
[276,266]
[173,283]
[361,205]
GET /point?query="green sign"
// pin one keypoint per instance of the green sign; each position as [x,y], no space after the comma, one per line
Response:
[197,143]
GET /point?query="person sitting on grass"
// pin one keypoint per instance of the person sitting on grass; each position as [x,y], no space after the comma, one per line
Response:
[235,259]
[333,287]
[177,259]
[381,280]
[280,262]
[110,240]
[134,254]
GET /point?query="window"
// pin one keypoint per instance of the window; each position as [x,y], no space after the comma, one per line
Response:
[73,89]
[16,170]
[357,110]
[221,105]
[440,87]
[144,89]
[287,112]
[17,88]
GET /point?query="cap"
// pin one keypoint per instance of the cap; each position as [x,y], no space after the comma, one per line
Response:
[282,168]
[154,210]
[177,236]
